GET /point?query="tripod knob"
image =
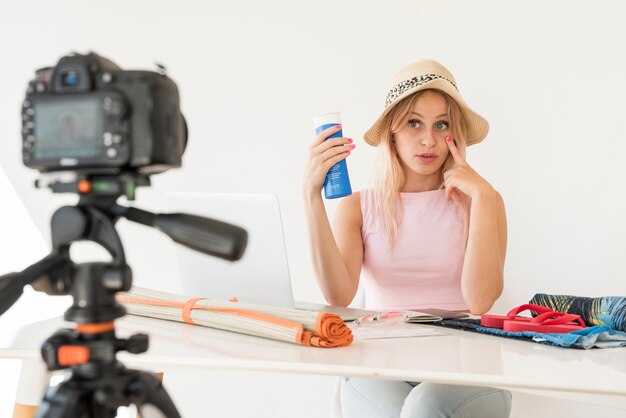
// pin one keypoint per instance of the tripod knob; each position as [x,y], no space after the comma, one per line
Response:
[50,348]
[136,344]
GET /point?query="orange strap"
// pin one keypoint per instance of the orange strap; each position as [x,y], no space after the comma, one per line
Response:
[187,307]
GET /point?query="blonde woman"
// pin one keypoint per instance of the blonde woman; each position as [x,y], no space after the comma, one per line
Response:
[431,233]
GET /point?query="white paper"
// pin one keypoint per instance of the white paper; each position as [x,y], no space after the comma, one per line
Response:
[367,332]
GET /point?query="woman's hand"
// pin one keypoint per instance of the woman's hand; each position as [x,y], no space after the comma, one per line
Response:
[463,177]
[323,154]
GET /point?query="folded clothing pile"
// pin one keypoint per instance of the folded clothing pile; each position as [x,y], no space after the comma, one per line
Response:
[607,310]
[309,328]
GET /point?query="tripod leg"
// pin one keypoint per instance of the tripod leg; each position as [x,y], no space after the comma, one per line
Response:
[159,376]
[64,400]
[154,400]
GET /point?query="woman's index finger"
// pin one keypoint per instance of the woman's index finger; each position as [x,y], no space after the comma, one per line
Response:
[456,154]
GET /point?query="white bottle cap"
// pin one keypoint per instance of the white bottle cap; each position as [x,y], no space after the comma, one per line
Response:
[326,119]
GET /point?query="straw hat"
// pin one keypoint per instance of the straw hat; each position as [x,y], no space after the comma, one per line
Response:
[427,74]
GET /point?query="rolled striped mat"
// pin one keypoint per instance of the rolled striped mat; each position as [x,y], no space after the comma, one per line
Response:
[298,326]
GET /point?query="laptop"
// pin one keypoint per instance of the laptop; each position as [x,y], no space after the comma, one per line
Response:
[261,276]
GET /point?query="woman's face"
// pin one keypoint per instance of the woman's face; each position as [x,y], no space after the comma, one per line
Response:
[421,141]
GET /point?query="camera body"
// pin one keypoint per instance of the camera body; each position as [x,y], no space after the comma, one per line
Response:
[87,114]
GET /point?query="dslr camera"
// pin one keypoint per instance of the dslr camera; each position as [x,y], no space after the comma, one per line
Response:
[86,114]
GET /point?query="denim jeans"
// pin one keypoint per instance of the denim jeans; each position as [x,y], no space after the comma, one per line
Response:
[364,398]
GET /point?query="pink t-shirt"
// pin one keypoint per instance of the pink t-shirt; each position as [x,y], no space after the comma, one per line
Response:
[423,268]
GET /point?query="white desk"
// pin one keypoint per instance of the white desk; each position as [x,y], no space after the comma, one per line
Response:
[598,375]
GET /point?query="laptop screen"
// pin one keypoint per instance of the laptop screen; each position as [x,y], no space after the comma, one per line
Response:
[261,276]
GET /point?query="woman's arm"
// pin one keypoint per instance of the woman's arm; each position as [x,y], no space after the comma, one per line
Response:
[337,254]
[483,266]
[337,258]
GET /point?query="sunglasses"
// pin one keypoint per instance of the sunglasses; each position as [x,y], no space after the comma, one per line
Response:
[384,317]
[396,317]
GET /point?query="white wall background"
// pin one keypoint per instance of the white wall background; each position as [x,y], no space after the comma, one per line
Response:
[547,75]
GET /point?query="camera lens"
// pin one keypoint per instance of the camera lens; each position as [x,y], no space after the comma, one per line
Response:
[69,78]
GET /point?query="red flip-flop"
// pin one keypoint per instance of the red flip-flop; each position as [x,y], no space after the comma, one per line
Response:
[497,321]
[547,323]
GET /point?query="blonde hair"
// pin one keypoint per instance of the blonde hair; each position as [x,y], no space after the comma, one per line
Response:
[390,176]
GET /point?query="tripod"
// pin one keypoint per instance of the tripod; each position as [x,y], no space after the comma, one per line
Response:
[98,383]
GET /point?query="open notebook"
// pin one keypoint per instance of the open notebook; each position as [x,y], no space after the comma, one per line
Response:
[262,275]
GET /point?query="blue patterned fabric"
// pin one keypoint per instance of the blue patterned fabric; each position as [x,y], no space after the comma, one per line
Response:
[600,336]
[606,310]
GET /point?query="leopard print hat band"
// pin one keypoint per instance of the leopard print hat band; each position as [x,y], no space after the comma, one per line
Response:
[427,74]
[397,90]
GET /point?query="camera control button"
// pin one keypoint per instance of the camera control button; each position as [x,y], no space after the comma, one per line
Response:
[107,139]
[117,139]
[114,107]
[107,78]
[111,153]
[40,87]
[30,111]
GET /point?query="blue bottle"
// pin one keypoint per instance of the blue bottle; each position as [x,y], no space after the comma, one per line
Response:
[337,183]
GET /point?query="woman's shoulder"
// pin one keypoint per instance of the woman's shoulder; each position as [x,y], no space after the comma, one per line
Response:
[349,209]
[361,199]
[352,201]
[357,204]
